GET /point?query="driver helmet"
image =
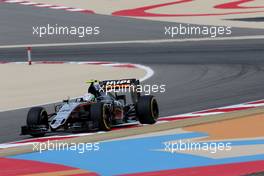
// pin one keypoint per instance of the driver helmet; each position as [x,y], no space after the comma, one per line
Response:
[89,97]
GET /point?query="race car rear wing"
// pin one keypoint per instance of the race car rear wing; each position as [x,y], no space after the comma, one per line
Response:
[117,84]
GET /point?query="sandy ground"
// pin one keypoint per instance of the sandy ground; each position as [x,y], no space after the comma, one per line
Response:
[22,85]
[248,127]
[199,11]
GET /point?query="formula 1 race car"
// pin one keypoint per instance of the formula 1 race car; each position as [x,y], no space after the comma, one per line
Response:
[105,105]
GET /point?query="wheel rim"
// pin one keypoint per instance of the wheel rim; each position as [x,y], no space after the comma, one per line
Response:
[107,120]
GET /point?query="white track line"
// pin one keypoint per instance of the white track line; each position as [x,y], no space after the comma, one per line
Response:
[136,41]
[44,5]
[218,110]
[149,72]
[59,7]
[74,10]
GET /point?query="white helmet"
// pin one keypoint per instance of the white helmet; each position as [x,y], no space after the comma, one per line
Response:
[89,97]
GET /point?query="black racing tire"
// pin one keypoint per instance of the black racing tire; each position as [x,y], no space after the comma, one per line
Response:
[147,109]
[37,116]
[101,113]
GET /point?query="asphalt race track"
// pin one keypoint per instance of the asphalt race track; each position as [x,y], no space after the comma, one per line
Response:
[16,23]
[198,75]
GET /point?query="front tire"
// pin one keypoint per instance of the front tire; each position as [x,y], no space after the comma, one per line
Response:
[37,117]
[101,114]
[147,109]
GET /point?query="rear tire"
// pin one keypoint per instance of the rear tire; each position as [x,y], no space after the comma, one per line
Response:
[101,114]
[37,116]
[147,109]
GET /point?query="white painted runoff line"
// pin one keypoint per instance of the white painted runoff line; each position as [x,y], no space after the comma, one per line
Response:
[136,41]
[220,110]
